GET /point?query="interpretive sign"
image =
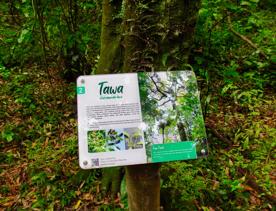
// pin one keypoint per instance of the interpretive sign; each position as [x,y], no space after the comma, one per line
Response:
[136,118]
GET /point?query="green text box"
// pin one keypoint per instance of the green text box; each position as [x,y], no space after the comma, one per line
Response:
[173,151]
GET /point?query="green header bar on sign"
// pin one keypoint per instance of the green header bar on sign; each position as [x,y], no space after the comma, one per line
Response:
[173,151]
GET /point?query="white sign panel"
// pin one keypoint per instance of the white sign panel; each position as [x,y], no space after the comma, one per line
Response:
[109,106]
[135,118]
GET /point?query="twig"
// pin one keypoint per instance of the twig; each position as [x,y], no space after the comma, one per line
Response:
[157,88]
[165,102]
[244,38]
[251,180]
[38,14]
[217,134]
[252,183]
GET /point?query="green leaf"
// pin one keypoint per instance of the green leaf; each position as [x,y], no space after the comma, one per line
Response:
[164,59]
[254,1]
[8,135]
[273,58]
[245,3]
[24,36]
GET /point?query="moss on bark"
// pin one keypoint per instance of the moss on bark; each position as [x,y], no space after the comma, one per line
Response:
[110,55]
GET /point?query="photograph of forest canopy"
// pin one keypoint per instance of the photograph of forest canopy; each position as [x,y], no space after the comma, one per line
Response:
[171,108]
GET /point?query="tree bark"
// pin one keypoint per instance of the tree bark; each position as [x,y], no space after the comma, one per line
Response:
[110,55]
[143,187]
[109,62]
[142,35]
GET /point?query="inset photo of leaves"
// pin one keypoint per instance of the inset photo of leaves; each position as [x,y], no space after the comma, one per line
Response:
[114,140]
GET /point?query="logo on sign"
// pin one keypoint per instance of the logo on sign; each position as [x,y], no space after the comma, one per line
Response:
[80,90]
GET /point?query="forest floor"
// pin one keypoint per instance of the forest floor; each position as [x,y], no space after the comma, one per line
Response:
[38,155]
[39,162]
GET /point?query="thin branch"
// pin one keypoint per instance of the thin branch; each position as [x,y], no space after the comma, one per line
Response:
[212,127]
[244,38]
[165,102]
[161,83]
[157,88]
[157,99]
[38,14]
[253,184]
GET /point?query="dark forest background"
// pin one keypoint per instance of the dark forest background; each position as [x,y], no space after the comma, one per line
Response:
[45,45]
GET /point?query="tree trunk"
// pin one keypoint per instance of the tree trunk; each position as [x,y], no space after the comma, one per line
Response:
[110,62]
[143,187]
[110,58]
[142,35]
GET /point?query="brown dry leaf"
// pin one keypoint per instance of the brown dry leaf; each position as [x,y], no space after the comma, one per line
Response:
[121,205]
[99,202]
[67,114]
[215,184]
[81,184]
[227,171]
[26,203]
[18,181]
[9,202]
[88,197]
[76,206]
[246,187]
[117,200]
[255,200]
[46,142]
[98,188]
[78,192]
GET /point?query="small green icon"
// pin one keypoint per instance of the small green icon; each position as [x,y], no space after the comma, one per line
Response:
[80,90]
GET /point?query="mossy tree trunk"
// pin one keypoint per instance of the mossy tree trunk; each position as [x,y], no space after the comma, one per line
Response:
[146,35]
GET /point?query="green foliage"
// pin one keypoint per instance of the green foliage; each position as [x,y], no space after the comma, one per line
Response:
[226,55]
[38,142]
[237,80]
[69,32]
[96,141]
[184,181]
[43,144]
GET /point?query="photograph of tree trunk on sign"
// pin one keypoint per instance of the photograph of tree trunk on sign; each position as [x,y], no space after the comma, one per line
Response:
[171,109]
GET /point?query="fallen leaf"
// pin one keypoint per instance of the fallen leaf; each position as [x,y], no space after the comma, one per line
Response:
[76,206]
